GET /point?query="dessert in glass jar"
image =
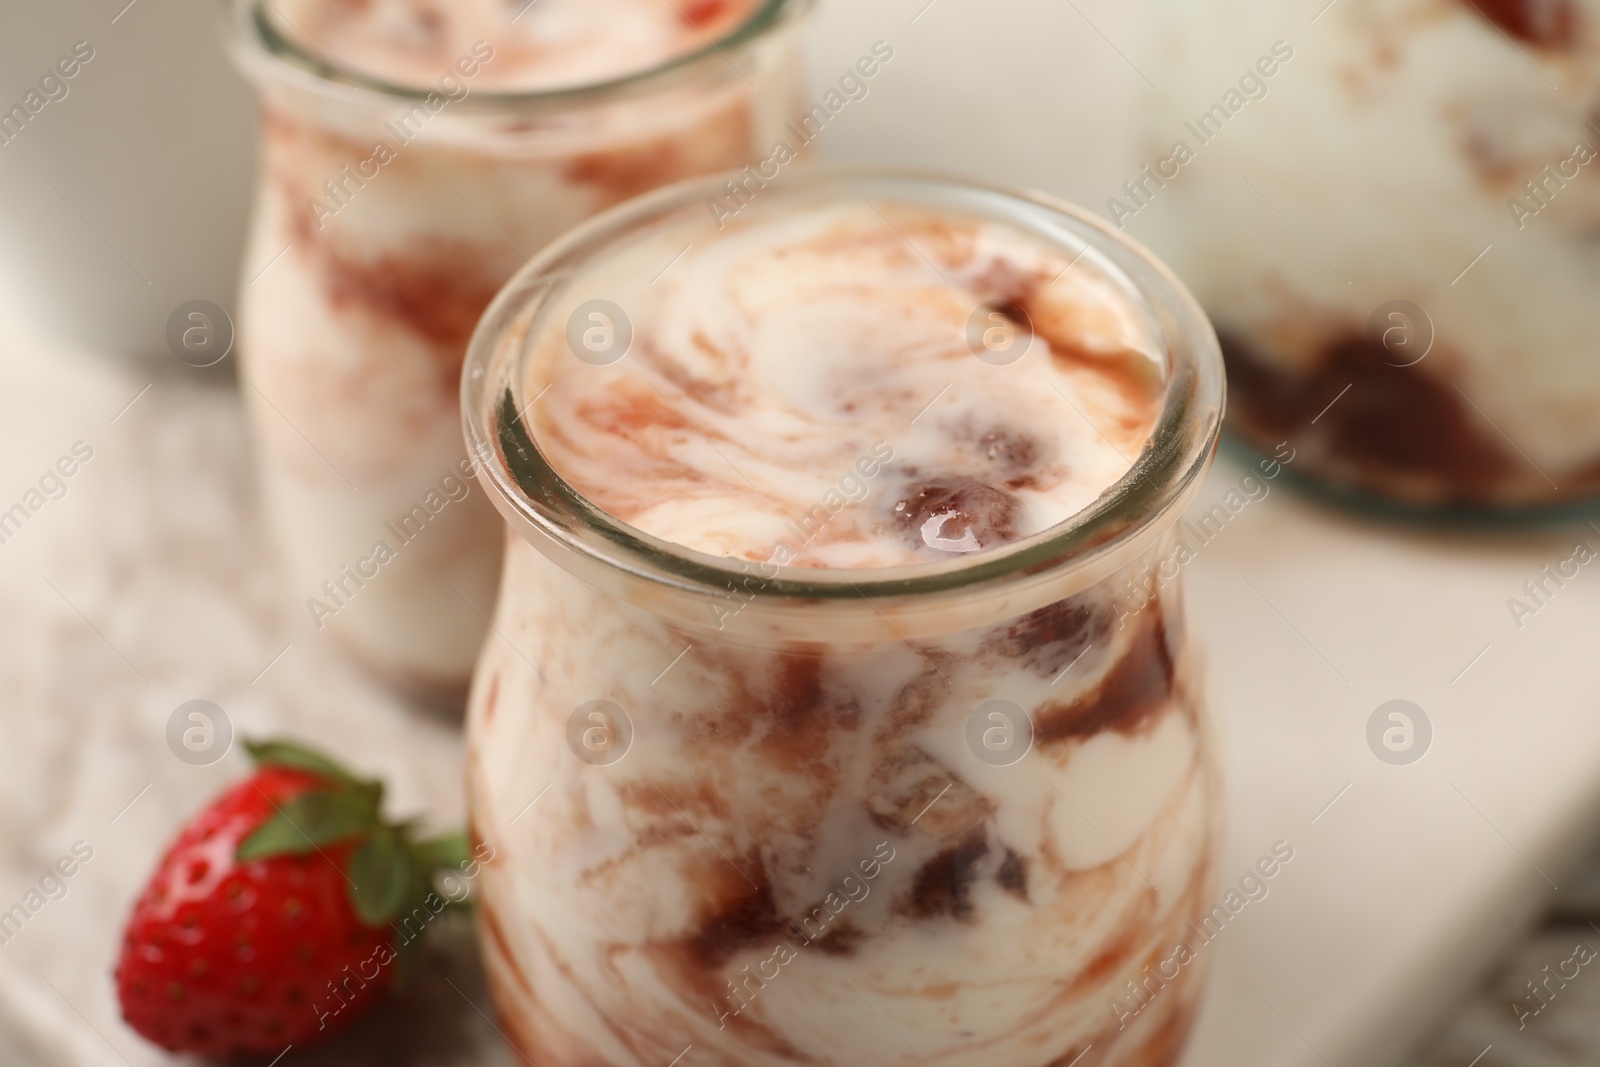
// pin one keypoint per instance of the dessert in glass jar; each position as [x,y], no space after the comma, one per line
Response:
[842,708]
[414,154]
[1390,211]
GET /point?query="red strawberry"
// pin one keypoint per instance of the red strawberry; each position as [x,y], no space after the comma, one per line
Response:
[702,13]
[267,923]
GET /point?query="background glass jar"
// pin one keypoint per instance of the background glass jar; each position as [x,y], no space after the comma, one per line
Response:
[386,219]
[832,816]
[1388,211]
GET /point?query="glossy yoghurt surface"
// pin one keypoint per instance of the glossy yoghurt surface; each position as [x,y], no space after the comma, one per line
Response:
[849,385]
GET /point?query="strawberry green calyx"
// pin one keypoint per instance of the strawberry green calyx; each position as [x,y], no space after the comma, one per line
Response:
[389,871]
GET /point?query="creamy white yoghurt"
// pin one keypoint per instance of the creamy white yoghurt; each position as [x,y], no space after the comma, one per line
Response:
[810,389]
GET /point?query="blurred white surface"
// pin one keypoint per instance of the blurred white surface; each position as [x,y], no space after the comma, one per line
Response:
[127,196]
[1038,93]
[1407,879]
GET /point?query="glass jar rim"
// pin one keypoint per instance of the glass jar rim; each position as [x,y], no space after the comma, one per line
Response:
[260,47]
[1165,475]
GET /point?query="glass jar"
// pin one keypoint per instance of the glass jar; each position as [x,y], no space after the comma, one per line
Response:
[962,812]
[1386,209]
[386,219]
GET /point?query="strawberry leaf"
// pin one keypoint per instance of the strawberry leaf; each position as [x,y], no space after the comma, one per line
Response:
[280,753]
[450,851]
[309,821]
[382,877]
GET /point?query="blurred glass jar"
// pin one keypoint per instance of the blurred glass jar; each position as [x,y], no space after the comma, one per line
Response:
[1388,210]
[386,219]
